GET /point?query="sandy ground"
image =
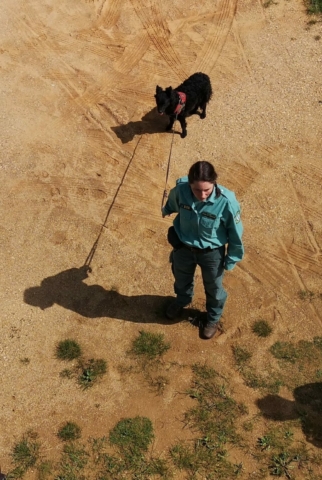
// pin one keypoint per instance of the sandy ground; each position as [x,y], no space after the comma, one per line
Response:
[83,167]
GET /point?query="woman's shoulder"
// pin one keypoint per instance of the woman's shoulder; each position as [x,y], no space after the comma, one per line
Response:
[182,180]
[229,195]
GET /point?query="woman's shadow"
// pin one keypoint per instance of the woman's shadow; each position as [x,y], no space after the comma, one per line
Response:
[307,406]
[150,123]
[69,290]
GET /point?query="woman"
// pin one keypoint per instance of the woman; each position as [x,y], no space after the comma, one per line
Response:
[208,219]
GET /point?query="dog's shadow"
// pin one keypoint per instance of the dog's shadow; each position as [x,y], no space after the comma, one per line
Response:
[68,289]
[150,123]
[307,406]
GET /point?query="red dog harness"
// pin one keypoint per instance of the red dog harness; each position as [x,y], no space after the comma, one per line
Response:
[181,104]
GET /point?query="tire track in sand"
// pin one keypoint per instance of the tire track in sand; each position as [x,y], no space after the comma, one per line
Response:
[158,33]
[289,254]
[108,13]
[216,37]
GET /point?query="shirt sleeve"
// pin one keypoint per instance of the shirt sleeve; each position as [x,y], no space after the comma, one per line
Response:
[234,229]
[172,203]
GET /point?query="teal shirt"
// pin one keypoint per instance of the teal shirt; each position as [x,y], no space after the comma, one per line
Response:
[212,223]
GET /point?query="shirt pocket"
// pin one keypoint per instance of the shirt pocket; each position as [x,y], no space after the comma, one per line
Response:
[185,214]
[208,227]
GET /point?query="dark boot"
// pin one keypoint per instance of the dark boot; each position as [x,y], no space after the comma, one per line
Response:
[209,330]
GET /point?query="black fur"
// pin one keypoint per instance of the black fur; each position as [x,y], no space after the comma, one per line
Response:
[198,93]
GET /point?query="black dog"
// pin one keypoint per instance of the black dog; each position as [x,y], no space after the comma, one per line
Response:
[184,100]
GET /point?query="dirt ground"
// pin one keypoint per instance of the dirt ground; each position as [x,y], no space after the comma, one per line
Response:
[83,168]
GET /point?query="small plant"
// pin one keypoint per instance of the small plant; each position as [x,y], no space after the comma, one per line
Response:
[25,454]
[288,434]
[68,350]
[45,469]
[25,360]
[66,373]
[69,431]
[268,3]
[158,383]
[132,435]
[306,294]
[264,442]
[281,464]
[91,371]
[241,355]
[150,345]
[262,328]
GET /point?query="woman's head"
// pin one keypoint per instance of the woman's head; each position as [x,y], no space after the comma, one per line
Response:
[202,179]
[202,172]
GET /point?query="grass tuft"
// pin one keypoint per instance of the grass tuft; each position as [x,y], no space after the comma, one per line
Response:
[69,431]
[262,328]
[132,435]
[149,345]
[25,454]
[68,350]
[45,470]
[241,355]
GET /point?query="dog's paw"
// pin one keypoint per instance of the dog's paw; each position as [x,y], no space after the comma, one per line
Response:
[183,134]
[202,115]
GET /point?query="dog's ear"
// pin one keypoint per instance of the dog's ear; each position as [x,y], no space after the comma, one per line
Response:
[158,89]
[169,91]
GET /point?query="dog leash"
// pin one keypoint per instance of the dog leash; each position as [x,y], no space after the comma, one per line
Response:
[94,247]
[165,193]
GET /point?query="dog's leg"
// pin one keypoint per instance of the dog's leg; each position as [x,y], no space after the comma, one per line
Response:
[183,124]
[203,107]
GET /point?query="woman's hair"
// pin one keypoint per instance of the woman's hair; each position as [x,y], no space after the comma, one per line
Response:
[203,171]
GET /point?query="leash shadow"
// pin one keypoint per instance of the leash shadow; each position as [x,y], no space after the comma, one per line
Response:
[150,123]
[69,290]
[307,406]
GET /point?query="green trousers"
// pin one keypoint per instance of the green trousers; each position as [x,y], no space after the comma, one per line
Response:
[184,263]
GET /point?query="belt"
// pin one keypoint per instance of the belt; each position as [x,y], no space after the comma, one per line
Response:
[199,250]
